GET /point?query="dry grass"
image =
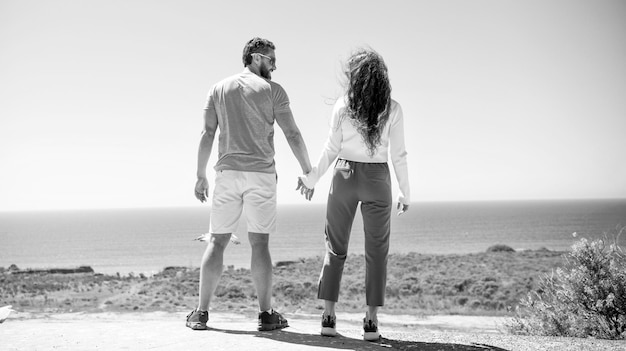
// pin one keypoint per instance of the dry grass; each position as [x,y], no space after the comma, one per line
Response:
[490,283]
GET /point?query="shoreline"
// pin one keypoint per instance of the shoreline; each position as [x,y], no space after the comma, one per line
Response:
[88,268]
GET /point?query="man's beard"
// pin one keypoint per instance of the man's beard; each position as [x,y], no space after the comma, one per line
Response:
[265,73]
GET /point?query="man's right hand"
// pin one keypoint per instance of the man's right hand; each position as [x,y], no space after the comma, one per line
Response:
[202,189]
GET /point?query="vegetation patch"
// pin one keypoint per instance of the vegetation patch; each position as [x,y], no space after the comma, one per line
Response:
[489,283]
[586,297]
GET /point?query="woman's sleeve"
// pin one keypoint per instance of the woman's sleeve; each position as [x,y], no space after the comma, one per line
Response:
[330,152]
[397,150]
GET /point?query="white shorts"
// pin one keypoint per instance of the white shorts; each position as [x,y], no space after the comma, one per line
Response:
[253,192]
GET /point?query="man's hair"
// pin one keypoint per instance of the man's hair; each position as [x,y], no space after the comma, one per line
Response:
[255,45]
[368,95]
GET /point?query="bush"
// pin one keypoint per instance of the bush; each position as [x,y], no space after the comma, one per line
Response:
[587,297]
[500,248]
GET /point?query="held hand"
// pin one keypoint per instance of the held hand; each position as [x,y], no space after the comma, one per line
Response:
[403,208]
[202,189]
[308,193]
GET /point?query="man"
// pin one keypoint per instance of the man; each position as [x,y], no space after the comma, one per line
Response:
[245,106]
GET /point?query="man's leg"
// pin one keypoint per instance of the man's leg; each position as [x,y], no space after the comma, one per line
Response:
[210,272]
[259,201]
[211,268]
[226,208]
[261,269]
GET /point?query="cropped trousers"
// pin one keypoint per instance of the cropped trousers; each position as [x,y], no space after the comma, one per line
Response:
[367,184]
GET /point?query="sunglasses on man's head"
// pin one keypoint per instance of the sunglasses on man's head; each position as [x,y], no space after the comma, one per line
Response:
[272,60]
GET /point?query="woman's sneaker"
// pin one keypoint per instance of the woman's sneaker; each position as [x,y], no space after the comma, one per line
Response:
[196,320]
[328,325]
[370,330]
[271,321]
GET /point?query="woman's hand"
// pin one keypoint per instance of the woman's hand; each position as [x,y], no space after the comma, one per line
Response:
[402,207]
[308,193]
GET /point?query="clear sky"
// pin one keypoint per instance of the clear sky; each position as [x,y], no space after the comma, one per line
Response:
[101,101]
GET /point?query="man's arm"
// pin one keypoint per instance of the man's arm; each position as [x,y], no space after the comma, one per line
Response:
[204,152]
[288,125]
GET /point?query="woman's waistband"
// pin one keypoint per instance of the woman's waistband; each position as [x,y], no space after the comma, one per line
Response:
[357,162]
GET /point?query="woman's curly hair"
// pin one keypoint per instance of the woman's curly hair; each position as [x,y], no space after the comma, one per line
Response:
[368,96]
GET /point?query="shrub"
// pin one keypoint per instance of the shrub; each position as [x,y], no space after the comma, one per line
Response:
[500,248]
[587,297]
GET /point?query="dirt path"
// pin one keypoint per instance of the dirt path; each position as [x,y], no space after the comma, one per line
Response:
[166,331]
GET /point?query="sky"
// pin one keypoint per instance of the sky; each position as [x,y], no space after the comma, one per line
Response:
[101,102]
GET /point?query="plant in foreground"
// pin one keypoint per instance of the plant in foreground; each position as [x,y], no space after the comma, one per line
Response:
[587,297]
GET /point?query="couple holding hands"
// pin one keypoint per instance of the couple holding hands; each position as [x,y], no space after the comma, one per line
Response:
[366,129]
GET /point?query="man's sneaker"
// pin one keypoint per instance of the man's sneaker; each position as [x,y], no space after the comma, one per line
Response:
[271,321]
[328,325]
[196,320]
[370,330]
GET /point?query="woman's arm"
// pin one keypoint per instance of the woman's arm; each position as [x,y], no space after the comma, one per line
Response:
[397,150]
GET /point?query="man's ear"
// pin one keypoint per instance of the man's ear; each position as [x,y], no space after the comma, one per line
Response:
[255,59]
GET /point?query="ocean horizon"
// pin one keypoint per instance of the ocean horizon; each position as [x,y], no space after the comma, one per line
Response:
[146,240]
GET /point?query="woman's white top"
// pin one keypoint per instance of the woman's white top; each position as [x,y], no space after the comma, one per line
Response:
[345,141]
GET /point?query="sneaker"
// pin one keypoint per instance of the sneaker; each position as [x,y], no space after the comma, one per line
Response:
[328,325]
[196,320]
[370,330]
[271,321]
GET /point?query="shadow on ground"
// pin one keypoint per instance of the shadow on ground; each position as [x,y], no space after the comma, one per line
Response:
[346,343]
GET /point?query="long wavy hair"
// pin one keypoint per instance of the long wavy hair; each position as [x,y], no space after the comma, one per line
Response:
[368,96]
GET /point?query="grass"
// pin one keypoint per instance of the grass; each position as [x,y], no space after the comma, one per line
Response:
[489,283]
[484,283]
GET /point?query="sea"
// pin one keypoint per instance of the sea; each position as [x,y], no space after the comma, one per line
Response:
[147,240]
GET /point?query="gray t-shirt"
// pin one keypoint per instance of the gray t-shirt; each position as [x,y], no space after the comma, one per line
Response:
[246,105]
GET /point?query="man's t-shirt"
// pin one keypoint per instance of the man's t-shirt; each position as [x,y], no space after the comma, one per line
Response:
[246,105]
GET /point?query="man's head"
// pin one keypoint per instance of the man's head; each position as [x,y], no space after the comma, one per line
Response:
[258,55]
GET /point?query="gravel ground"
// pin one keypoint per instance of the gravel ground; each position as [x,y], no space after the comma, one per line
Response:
[228,331]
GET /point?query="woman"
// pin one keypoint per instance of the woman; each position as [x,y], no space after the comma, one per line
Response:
[366,128]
